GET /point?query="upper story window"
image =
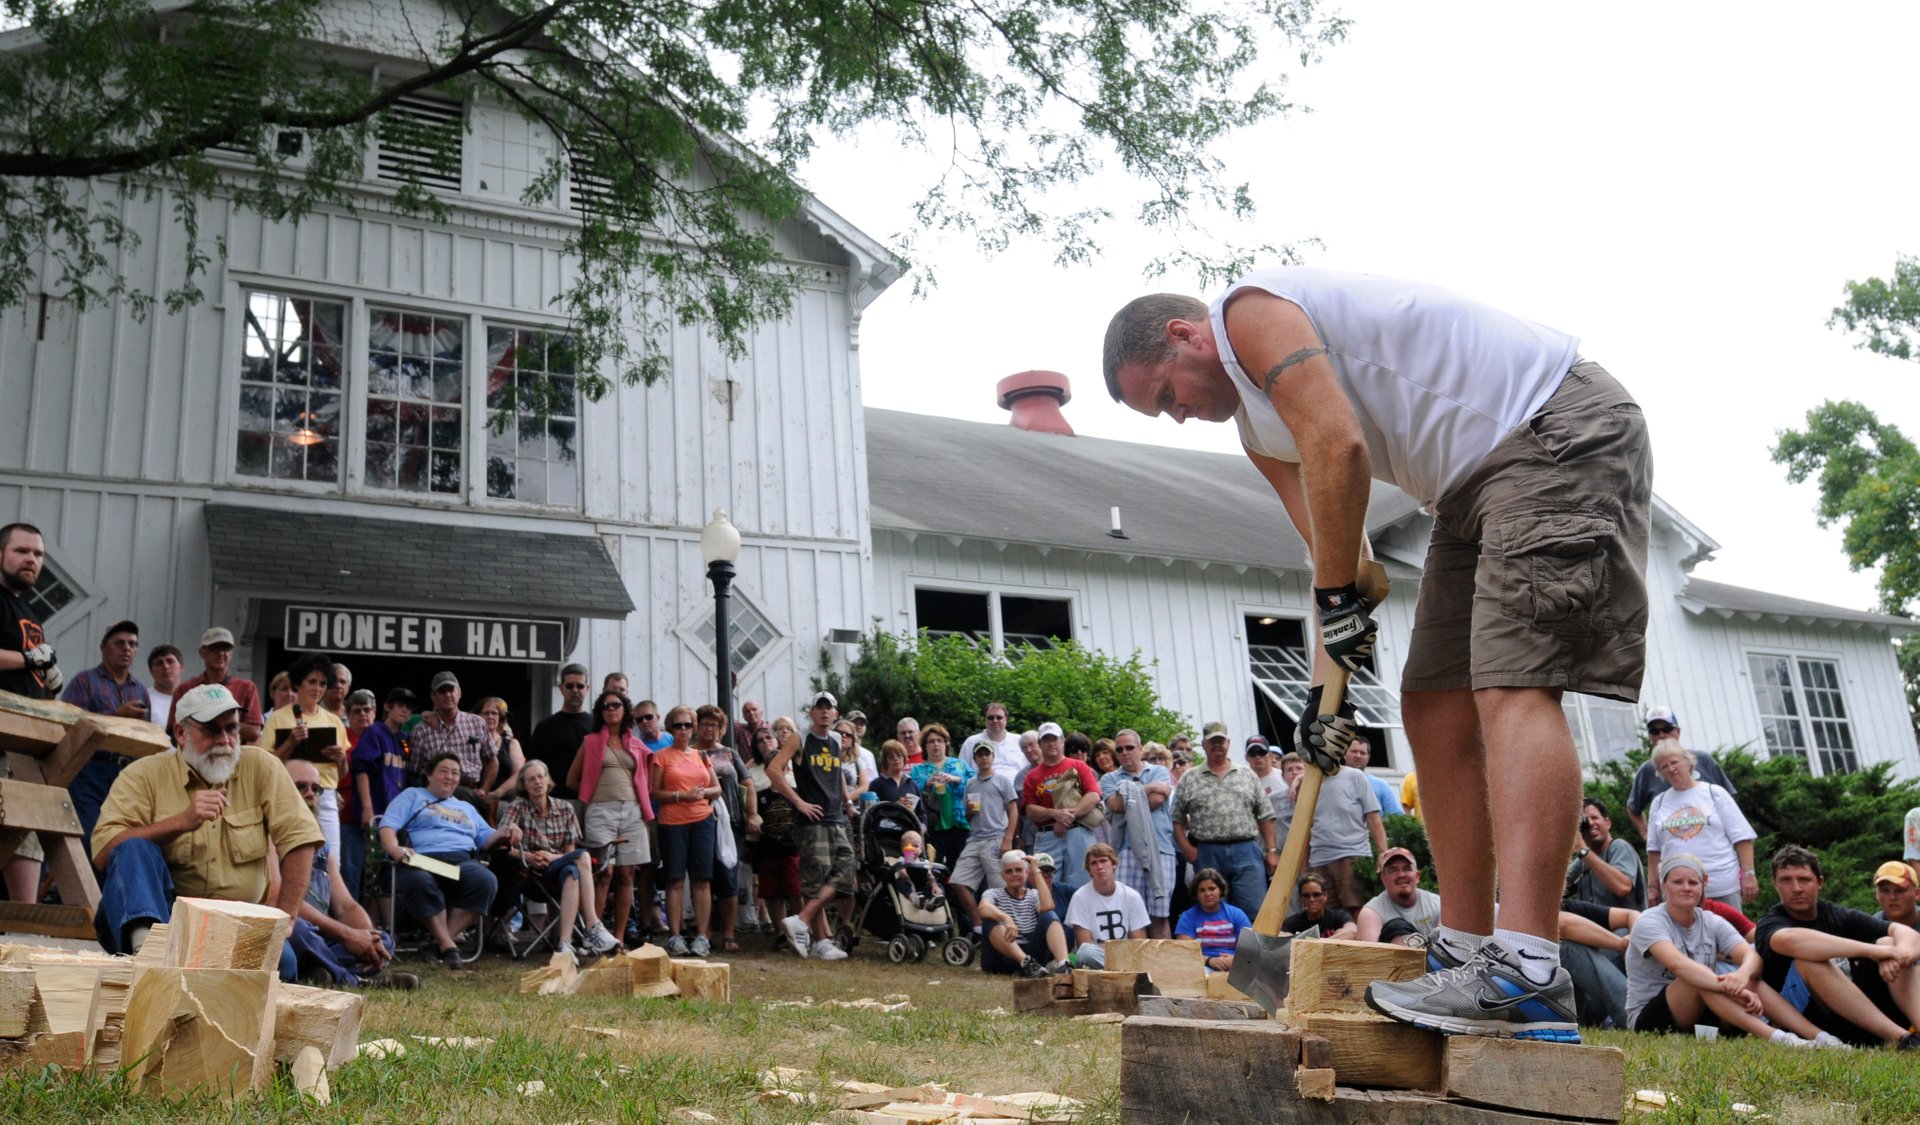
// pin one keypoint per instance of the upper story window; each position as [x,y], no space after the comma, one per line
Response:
[292,382]
[420,139]
[397,418]
[999,621]
[416,375]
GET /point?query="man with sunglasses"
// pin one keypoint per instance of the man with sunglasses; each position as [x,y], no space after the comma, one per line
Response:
[197,823]
[556,738]
[1663,724]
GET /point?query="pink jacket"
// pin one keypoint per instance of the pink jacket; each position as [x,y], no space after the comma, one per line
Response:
[594,754]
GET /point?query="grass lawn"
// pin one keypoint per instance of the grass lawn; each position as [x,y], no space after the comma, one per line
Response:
[679,1056]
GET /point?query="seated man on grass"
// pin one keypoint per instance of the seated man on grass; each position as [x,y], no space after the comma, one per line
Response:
[1894,884]
[1104,909]
[197,823]
[333,935]
[1021,926]
[1880,999]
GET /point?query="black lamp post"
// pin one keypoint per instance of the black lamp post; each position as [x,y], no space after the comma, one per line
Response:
[720,546]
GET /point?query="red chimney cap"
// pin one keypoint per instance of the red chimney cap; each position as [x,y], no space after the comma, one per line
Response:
[1033,382]
[1035,398]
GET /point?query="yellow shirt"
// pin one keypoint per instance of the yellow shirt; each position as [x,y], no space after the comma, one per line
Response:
[283,719]
[1410,795]
[224,858]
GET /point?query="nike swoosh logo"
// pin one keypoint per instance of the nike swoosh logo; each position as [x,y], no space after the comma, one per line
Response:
[1501,1003]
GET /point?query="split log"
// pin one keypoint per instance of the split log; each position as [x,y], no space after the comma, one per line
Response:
[1175,967]
[215,934]
[1562,1079]
[1115,992]
[16,1000]
[1332,975]
[322,1018]
[659,989]
[558,977]
[196,1029]
[1032,995]
[1220,988]
[1186,1007]
[1372,1050]
[1174,1070]
[154,950]
[650,964]
[1316,1052]
[1314,1083]
[69,994]
[68,1051]
[704,980]
[609,979]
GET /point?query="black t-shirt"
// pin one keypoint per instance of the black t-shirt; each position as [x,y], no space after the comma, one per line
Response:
[1331,919]
[19,632]
[1829,918]
[887,789]
[556,741]
[816,776]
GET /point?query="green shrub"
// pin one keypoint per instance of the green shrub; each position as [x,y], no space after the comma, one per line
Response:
[950,680]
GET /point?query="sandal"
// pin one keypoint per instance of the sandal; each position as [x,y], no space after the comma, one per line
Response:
[728,945]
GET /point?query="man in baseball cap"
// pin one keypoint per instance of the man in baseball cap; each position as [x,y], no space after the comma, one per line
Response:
[1895,885]
[197,823]
[1222,819]
[216,658]
[1057,795]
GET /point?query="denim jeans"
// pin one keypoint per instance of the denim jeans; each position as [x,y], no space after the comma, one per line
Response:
[137,890]
[1245,866]
[89,791]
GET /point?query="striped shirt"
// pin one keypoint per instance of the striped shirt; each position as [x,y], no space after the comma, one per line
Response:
[1025,910]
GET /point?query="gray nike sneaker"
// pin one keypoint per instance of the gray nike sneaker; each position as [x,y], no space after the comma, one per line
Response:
[1488,995]
[1443,954]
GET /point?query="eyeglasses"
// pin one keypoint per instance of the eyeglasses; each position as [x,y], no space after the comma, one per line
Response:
[680,726]
[1661,728]
[308,786]
[1124,747]
[573,687]
[648,717]
[613,705]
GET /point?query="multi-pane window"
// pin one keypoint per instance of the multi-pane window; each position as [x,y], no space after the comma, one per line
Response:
[1802,710]
[1282,670]
[291,382]
[1022,620]
[749,633]
[416,376]
[530,457]
[52,593]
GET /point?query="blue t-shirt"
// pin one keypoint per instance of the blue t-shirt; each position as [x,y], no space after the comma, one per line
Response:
[1162,816]
[1218,932]
[382,756]
[943,812]
[434,826]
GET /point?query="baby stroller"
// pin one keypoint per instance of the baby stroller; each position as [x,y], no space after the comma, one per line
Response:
[880,910]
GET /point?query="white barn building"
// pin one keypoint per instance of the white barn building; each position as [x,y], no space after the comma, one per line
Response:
[305,458]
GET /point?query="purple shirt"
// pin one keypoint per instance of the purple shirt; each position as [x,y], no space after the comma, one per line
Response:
[94,690]
[382,756]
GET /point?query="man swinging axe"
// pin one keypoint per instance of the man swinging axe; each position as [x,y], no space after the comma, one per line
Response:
[1535,466]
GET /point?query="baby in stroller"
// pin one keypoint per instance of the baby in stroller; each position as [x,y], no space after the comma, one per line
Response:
[912,874]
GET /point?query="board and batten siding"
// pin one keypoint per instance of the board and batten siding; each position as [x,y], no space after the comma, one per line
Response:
[1185,619]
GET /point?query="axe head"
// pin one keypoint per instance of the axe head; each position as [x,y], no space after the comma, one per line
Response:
[1262,967]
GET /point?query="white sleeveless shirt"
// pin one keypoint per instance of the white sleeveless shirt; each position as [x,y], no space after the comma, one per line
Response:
[1435,379]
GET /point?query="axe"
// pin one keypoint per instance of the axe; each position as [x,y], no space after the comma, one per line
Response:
[1263,960]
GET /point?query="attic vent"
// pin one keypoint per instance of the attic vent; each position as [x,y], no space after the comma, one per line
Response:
[420,140]
[590,190]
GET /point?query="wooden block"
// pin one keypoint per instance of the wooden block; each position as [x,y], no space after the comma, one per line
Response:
[36,726]
[215,934]
[67,1051]
[154,950]
[1314,1083]
[1563,1079]
[609,979]
[1079,978]
[1174,1070]
[16,999]
[322,1018]
[37,808]
[558,977]
[69,993]
[649,964]
[1032,995]
[704,980]
[1071,1006]
[659,988]
[1219,988]
[200,1029]
[1186,1007]
[1372,1050]
[1316,1052]
[1175,967]
[1063,989]
[309,1073]
[1332,976]
[1115,992]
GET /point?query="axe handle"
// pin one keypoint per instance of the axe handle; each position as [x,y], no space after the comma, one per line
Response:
[1273,910]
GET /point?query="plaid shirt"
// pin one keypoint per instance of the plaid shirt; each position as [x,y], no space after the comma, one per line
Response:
[558,831]
[94,690]
[467,737]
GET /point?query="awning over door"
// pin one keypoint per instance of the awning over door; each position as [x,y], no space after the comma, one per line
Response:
[273,553]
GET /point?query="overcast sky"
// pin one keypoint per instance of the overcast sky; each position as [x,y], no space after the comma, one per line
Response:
[1683,186]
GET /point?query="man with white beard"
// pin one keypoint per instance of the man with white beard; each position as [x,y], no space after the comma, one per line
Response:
[197,823]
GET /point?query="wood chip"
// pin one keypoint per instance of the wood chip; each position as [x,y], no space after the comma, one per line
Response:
[381,1049]
[309,1072]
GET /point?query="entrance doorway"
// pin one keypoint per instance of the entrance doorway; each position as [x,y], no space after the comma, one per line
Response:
[515,683]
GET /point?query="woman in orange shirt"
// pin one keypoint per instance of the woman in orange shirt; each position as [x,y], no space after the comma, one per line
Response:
[684,786]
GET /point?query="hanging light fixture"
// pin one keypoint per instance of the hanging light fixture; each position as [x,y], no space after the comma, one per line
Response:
[305,435]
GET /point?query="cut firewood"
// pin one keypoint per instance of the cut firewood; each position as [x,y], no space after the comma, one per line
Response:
[69,993]
[1315,1083]
[650,964]
[610,978]
[658,989]
[16,1000]
[322,1018]
[1333,975]
[154,951]
[200,1029]
[215,934]
[67,1051]
[557,977]
[1175,967]
[704,980]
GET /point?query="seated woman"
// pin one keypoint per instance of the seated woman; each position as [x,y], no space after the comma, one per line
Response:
[443,827]
[1673,956]
[1021,926]
[1212,921]
[550,847]
[912,874]
[1315,919]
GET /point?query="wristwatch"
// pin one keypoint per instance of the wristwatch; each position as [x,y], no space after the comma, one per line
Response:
[1582,853]
[1273,851]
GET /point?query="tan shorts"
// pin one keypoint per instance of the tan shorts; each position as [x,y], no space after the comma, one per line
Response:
[1536,572]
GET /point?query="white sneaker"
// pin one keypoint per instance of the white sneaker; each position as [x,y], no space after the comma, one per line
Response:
[1787,1038]
[601,941]
[797,935]
[825,950]
[1831,1042]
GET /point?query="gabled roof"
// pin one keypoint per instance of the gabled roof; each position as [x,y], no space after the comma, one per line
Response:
[1702,596]
[979,480]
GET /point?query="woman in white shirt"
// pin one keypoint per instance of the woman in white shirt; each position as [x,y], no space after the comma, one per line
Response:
[1700,818]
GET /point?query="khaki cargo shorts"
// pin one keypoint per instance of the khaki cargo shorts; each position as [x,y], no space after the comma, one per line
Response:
[826,856]
[1536,572]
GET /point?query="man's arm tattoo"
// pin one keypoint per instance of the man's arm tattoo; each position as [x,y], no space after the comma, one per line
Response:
[1294,360]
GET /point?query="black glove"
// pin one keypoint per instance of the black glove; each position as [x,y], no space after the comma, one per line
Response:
[1346,628]
[1322,740]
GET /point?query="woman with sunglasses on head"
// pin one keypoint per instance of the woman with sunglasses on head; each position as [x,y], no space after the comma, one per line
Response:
[506,751]
[687,789]
[610,774]
[743,816]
